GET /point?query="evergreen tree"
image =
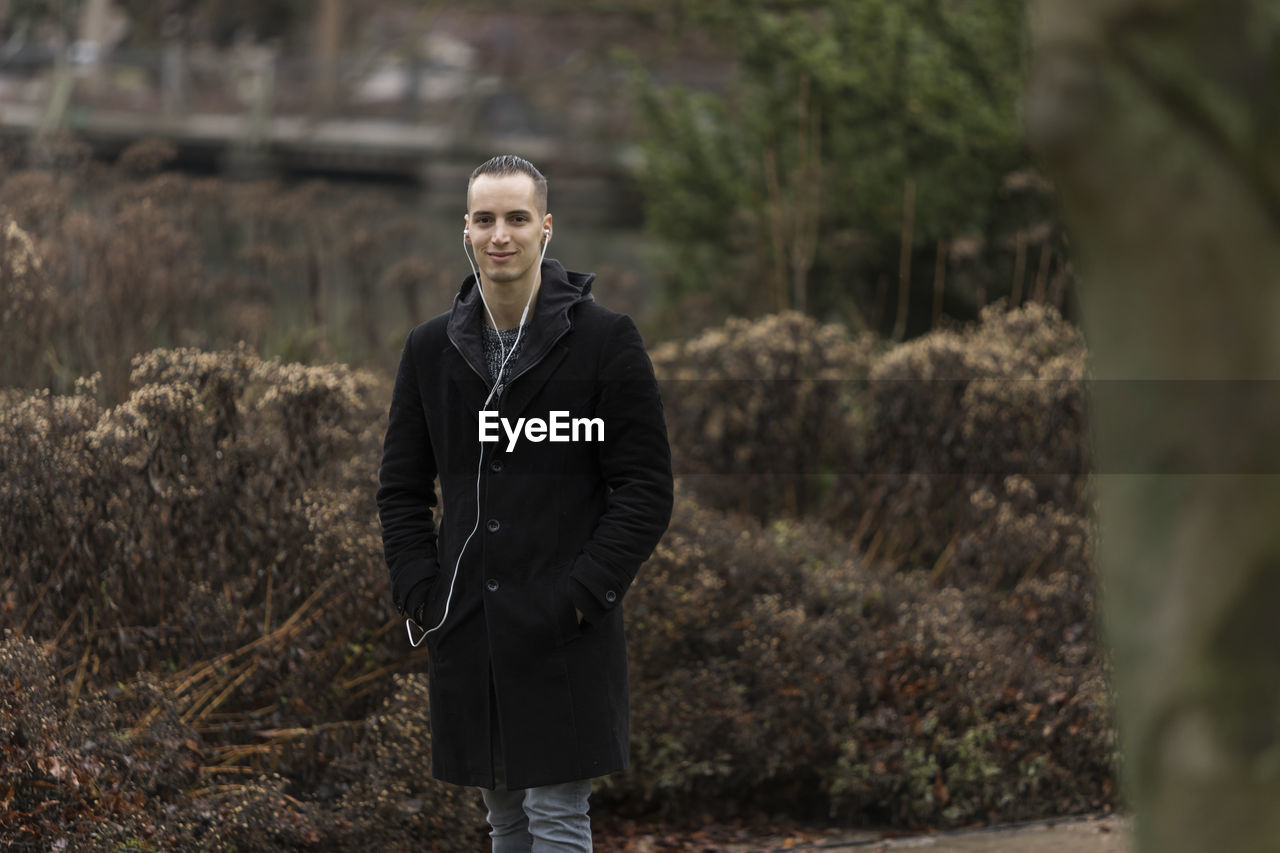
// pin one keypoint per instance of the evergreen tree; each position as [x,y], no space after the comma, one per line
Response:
[791,189]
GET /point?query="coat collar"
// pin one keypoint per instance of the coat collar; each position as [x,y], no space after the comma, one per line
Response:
[559,292]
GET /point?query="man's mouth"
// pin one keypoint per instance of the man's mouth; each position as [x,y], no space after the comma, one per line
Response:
[500,256]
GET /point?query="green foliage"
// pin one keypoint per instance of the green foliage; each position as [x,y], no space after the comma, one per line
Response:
[780,191]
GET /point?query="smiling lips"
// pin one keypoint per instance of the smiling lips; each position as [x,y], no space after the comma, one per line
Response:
[500,256]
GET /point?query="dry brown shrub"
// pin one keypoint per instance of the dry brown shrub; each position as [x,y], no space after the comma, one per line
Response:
[210,546]
[112,286]
[134,258]
[60,151]
[202,478]
[72,775]
[29,310]
[207,547]
[393,793]
[117,768]
[36,200]
[977,464]
[962,452]
[773,670]
[146,157]
[764,414]
[773,673]
[409,280]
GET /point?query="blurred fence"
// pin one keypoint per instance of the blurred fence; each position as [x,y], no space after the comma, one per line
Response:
[252,105]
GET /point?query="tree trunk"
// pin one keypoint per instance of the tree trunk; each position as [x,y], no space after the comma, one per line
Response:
[325,56]
[1160,122]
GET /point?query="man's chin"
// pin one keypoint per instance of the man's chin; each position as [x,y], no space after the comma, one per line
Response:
[503,275]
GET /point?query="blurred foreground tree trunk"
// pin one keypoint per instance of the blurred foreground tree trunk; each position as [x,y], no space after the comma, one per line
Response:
[1160,122]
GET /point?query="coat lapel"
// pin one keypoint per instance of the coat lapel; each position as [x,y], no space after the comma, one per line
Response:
[525,387]
[541,350]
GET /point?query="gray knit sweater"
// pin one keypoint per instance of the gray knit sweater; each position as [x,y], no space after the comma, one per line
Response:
[493,354]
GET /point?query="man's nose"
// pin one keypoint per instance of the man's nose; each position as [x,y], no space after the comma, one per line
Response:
[500,234]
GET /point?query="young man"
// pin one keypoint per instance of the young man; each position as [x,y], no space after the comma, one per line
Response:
[538,410]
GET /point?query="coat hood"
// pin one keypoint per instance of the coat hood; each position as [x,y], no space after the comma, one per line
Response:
[560,290]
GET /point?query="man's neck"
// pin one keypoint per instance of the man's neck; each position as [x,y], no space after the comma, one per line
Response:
[506,301]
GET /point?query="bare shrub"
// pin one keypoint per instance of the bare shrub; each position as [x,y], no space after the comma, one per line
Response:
[962,452]
[118,767]
[36,200]
[75,776]
[765,414]
[28,305]
[210,546]
[776,670]
[146,157]
[771,673]
[205,554]
[202,480]
[133,258]
[977,464]
[407,279]
[60,151]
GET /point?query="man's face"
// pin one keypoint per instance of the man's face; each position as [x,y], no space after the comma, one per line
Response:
[505,227]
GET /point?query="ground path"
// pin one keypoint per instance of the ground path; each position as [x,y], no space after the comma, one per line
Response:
[1107,834]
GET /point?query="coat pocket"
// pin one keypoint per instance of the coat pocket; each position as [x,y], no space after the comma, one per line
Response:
[536,616]
[571,629]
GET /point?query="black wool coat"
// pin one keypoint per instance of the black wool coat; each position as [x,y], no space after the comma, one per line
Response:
[552,526]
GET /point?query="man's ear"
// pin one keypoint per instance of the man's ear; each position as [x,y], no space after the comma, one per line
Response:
[466,226]
[546,225]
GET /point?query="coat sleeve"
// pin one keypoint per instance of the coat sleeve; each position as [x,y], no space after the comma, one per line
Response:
[635,460]
[406,492]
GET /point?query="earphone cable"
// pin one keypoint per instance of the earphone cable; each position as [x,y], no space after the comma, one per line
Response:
[506,356]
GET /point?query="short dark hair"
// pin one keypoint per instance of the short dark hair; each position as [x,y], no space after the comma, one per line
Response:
[509,164]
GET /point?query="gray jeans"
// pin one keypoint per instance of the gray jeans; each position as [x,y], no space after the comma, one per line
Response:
[548,819]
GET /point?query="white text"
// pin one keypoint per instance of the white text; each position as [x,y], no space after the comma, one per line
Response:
[559,427]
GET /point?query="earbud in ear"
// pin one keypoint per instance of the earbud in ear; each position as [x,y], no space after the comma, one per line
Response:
[546,232]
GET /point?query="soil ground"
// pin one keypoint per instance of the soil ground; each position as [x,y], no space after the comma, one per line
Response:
[1109,834]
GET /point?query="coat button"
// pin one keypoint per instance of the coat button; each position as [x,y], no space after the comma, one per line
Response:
[495,466]
[493,525]
[611,596]
[492,585]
